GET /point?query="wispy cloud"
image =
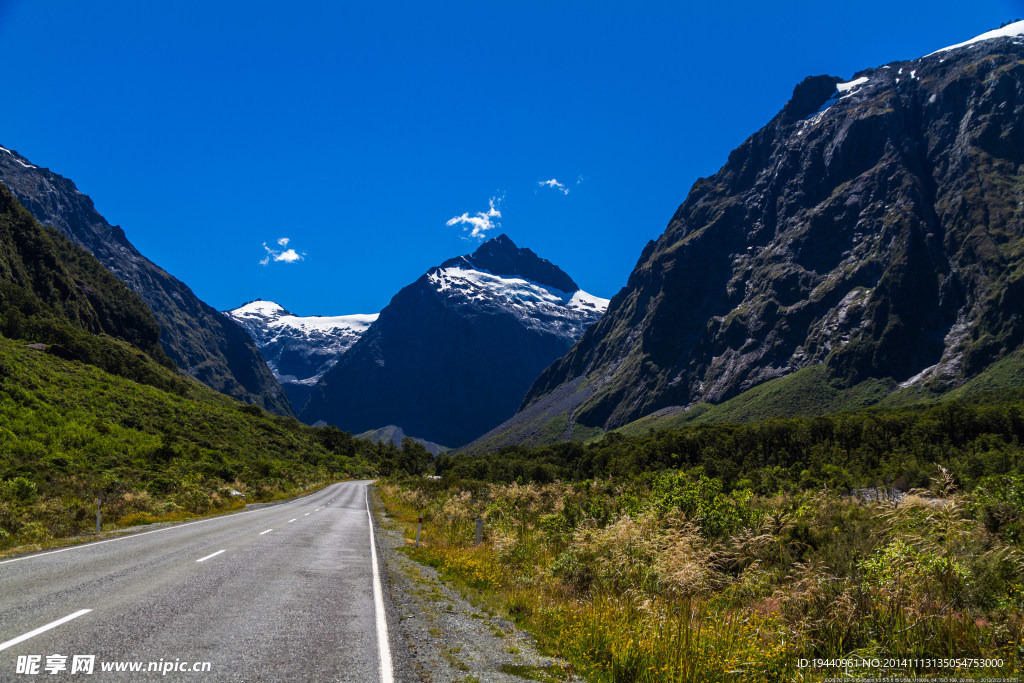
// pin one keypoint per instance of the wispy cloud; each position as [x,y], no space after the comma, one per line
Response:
[555,185]
[477,225]
[282,255]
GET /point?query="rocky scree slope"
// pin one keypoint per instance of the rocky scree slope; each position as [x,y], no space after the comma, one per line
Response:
[874,228]
[453,353]
[201,341]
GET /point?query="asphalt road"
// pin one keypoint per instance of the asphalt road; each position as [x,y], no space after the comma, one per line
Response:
[285,593]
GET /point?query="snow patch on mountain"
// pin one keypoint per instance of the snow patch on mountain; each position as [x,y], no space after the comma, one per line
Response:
[850,85]
[299,349]
[17,158]
[1008,31]
[582,301]
[536,305]
[275,316]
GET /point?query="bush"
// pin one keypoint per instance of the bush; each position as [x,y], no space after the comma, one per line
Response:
[19,490]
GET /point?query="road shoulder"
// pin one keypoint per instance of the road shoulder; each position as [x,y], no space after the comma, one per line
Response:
[438,636]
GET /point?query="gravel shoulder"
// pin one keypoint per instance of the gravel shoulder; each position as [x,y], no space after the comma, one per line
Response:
[438,636]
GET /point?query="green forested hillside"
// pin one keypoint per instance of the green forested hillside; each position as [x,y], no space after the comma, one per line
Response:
[55,293]
[810,391]
[870,447]
[91,407]
[71,432]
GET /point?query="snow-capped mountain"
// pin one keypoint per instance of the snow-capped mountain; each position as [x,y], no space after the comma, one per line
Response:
[454,352]
[543,300]
[299,349]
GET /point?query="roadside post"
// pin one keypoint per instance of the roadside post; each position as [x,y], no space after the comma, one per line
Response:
[98,521]
[419,527]
[479,531]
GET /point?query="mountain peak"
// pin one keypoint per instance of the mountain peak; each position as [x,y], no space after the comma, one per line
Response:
[501,256]
[502,241]
[453,352]
[260,307]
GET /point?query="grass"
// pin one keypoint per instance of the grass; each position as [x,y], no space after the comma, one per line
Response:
[805,392]
[678,580]
[139,519]
[545,674]
[71,432]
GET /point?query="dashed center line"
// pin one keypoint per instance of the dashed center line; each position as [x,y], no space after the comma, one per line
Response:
[290,521]
[204,559]
[266,532]
[43,629]
[306,515]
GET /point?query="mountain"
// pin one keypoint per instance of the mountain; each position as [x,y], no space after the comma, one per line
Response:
[59,298]
[870,235]
[453,353]
[394,435]
[299,350]
[201,341]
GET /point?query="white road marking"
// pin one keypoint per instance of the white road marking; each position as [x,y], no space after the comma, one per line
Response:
[146,533]
[290,521]
[266,532]
[386,670]
[43,629]
[306,515]
[204,559]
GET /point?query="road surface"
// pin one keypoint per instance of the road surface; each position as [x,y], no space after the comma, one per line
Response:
[280,593]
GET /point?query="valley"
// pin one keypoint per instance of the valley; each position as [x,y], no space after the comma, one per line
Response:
[792,437]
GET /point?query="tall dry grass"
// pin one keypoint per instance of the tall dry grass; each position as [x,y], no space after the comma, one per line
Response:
[682,582]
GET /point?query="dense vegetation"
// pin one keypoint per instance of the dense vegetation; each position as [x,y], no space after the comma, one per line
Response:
[868,448]
[672,579]
[70,432]
[91,407]
[56,293]
[730,552]
[198,340]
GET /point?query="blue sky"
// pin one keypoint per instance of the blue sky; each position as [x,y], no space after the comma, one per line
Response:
[359,130]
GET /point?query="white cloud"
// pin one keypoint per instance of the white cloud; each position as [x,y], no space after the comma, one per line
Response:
[478,225]
[286,256]
[554,184]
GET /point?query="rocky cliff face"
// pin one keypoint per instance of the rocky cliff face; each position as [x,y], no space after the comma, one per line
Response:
[453,353]
[874,227]
[299,349]
[201,341]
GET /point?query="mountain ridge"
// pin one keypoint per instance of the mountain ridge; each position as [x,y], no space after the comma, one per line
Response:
[872,227]
[201,341]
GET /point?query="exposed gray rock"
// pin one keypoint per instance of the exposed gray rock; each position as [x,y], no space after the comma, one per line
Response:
[201,341]
[874,226]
